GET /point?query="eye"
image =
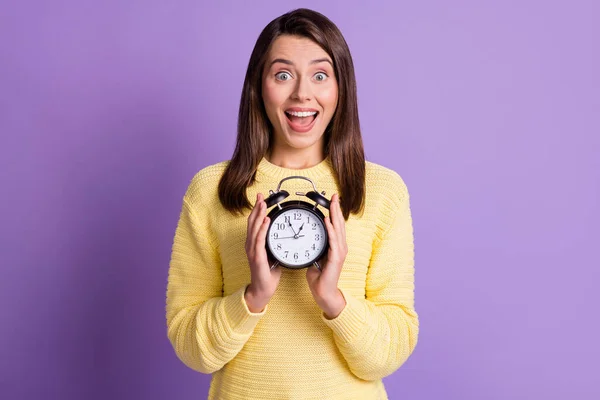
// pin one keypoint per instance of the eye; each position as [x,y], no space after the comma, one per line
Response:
[321,76]
[283,76]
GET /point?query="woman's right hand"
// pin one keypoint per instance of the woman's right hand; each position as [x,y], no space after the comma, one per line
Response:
[263,279]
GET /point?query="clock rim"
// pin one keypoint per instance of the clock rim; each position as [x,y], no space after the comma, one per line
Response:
[286,206]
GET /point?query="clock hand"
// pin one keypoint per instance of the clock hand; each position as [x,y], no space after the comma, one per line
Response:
[299,230]
[290,224]
[289,237]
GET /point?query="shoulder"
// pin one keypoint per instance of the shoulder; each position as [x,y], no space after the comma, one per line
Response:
[385,183]
[204,184]
[210,174]
[387,195]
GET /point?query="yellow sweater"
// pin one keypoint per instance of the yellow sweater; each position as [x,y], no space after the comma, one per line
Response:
[290,350]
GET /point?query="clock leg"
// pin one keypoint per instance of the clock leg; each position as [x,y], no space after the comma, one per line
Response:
[276,263]
[316,263]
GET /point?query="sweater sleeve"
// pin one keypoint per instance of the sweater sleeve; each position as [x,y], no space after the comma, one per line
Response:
[205,328]
[377,334]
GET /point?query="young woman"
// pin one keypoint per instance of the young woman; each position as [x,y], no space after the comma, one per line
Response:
[313,333]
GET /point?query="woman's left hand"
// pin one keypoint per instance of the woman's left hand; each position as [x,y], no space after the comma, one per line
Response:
[324,284]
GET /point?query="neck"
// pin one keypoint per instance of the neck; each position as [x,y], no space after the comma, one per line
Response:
[295,159]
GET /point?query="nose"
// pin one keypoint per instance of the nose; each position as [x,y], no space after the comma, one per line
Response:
[302,91]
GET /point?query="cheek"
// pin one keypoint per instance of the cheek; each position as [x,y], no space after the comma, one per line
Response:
[273,95]
[328,98]
[267,96]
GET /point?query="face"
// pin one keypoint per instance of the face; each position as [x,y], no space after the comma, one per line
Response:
[300,92]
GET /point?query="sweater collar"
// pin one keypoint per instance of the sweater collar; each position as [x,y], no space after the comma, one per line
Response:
[270,170]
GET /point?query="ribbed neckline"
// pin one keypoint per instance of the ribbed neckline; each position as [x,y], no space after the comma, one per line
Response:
[323,168]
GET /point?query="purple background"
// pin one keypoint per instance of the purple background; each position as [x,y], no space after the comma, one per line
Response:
[489,111]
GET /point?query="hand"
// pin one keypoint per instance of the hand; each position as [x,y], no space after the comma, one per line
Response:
[324,284]
[263,280]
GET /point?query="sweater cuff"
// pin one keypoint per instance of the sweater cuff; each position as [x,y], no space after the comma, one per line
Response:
[350,323]
[240,318]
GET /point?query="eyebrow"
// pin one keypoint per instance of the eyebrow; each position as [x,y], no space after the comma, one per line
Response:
[288,62]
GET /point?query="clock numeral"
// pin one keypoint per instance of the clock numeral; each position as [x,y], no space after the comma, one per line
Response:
[317,237]
[307,253]
[275,235]
[295,256]
[286,218]
[278,246]
[314,246]
[314,226]
[308,219]
[297,216]
[286,253]
[280,227]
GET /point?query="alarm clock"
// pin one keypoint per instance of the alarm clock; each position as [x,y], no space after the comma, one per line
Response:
[297,236]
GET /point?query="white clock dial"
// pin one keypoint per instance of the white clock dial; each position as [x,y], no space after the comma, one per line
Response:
[296,237]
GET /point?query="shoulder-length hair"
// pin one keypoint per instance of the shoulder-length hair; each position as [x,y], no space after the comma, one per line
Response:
[342,141]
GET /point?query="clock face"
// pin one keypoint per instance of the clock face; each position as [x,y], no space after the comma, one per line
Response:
[297,237]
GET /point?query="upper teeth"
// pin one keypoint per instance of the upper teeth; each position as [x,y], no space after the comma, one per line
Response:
[302,114]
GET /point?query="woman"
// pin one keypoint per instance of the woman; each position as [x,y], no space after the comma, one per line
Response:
[328,333]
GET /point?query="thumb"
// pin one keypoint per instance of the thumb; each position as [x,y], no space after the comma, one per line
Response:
[312,274]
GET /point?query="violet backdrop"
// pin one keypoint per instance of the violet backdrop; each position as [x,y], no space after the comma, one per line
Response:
[488,110]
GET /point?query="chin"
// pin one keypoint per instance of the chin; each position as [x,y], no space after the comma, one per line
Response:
[302,140]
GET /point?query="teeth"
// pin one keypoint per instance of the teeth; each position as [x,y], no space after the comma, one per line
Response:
[302,114]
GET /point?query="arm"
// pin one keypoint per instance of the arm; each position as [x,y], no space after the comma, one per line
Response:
[376,335]
[206,329]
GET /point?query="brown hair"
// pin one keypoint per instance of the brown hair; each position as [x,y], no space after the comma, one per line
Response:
[343,141]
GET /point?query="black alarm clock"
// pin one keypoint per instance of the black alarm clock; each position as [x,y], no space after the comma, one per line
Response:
[297,236]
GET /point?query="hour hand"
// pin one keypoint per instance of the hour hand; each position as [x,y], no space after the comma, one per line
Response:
[299,229]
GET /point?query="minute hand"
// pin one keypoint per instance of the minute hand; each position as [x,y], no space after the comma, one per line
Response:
[290,224]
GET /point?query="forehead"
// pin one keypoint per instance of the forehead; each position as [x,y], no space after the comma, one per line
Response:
[297,49]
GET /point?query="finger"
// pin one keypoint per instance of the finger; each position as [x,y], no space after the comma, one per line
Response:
[332,267]
[333,238]
[334,212]
[253,214]
[333,209]
[338,218]
[262,234]
[260,218]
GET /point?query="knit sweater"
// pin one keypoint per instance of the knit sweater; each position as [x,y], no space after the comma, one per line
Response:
[290,350]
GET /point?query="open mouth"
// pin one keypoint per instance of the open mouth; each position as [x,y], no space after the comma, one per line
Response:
[301,121]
